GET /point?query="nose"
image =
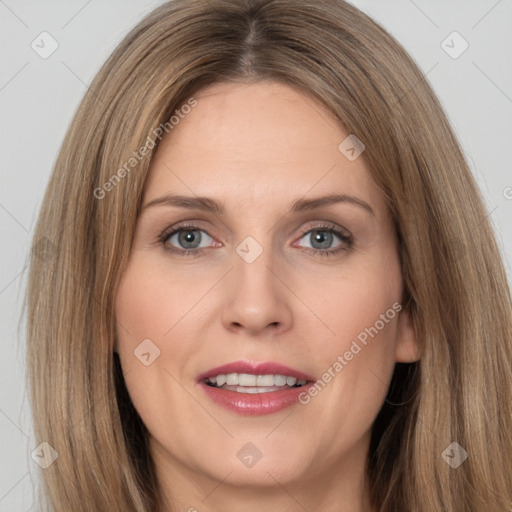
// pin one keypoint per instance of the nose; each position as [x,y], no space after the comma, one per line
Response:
[256,297]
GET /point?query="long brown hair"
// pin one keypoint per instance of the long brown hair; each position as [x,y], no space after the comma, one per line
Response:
[455,284]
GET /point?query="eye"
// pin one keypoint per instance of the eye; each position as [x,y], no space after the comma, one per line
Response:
[189,240]
[322,238]
[186,240]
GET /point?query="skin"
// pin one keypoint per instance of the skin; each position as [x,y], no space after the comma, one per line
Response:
[257,148]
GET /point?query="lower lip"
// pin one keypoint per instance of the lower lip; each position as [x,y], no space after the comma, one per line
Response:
[255,404]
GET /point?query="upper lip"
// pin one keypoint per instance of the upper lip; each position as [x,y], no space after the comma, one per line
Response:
[255,368]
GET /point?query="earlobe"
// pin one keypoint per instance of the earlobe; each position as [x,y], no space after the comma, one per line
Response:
[407,347]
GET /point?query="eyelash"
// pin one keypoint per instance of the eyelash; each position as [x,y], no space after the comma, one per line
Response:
[346,239]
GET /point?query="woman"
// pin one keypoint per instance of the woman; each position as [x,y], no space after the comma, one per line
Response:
[273,281]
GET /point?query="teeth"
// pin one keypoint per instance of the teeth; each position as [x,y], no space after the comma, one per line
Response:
[291,381]
[253,391]
[232,379]
[254,381]
[244,379]
[267,380]
[280,380]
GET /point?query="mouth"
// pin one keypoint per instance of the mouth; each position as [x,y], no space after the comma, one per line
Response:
[250,383]
[254,388]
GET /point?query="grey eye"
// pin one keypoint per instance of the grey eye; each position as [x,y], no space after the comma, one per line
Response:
[189,238]
[320,239]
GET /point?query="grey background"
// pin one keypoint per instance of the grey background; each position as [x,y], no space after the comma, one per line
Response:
[39,96]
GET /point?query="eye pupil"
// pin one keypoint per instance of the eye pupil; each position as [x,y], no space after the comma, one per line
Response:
[324,238]
[189,237]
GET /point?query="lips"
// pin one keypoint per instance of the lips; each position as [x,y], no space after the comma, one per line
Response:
[255,400]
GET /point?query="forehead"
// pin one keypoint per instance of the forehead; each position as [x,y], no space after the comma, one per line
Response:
[257,142]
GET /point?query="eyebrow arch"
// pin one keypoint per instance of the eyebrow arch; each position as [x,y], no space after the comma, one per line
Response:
[212,205]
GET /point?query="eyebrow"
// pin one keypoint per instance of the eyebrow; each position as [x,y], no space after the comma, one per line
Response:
[212,205]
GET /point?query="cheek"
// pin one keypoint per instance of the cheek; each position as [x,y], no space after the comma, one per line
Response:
[146,310]
[354,301]
[361,309]
[150,345]
[152,301]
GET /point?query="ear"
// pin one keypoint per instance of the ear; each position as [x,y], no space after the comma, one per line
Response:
[407,347]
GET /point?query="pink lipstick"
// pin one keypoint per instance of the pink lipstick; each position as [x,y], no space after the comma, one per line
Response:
[249,388]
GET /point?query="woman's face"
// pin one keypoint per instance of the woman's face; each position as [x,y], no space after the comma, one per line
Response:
[264,272]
